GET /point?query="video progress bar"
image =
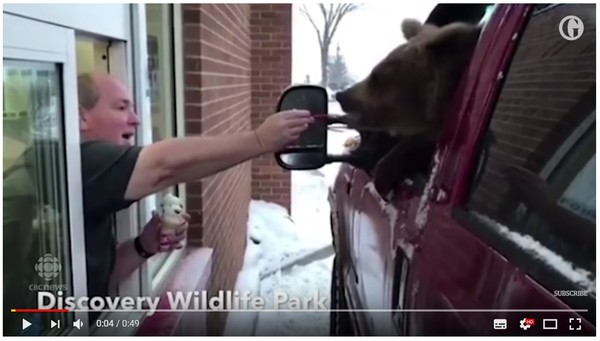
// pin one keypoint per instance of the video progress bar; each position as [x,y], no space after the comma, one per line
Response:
[39,310]
[304,310]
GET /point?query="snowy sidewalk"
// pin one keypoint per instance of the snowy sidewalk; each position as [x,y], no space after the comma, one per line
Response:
[303,282]
[291,263]
[291,255]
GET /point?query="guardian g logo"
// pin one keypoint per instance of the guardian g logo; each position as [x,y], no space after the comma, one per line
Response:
[571,28]
[48,267]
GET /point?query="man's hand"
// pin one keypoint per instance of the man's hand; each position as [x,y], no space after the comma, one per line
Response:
[282,129]
[153,241]
[128,260]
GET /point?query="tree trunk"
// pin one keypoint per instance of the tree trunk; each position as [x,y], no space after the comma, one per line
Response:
[324,60]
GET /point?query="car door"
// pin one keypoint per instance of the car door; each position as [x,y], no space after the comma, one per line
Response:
[374,231]
[518,157]
[529,204]
[345,209]
[352,277]
[422,203]
[437,260]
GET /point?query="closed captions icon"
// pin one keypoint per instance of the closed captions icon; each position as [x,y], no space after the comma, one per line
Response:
[500,324]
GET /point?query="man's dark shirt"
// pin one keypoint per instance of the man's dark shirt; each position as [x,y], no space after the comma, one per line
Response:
[106,169]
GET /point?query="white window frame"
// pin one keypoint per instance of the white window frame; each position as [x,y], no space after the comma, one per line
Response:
[126,220]
[130,67]
[34,41]
[567,145]
[108,20]
[152,285]
[129,63]
[124,24]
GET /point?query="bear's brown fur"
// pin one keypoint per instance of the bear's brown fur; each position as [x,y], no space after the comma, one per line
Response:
[408,92]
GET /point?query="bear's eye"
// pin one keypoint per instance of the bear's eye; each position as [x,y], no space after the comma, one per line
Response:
[381,74]
[377,79]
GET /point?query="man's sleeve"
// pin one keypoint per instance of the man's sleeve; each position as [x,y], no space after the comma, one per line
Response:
[106,170]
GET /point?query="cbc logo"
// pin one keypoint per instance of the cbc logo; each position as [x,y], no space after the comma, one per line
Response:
[571,28]
[48,267]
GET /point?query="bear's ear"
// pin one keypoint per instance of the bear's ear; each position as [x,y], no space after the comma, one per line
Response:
[453,38]
[411,27]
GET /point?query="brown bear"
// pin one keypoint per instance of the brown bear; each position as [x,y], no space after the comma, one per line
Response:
[407,94]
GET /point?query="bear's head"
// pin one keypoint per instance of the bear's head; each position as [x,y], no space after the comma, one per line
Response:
[408,90]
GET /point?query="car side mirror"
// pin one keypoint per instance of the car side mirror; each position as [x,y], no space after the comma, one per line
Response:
[310,151]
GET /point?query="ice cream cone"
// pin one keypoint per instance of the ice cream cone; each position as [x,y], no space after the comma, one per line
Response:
[172,215]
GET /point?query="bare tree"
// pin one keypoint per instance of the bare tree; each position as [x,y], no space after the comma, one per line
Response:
[332,16]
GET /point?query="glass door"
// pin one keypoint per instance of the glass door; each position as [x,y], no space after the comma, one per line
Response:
[43,222]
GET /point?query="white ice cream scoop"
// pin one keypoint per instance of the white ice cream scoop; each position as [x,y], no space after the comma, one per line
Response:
[171,213]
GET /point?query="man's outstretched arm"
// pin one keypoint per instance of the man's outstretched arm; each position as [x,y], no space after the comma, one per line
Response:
[179,160]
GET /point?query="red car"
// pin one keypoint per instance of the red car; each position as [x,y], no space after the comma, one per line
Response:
[496,236]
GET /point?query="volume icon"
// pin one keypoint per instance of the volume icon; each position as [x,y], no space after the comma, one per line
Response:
[77,324]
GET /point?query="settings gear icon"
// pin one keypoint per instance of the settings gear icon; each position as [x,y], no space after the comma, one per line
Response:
[526,323]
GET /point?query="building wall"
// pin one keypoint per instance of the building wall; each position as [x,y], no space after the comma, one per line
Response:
[271,34]
[237,60]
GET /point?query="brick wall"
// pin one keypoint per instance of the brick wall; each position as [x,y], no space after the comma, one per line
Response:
[271,32]
[546,95]
[217,96]
[237,59]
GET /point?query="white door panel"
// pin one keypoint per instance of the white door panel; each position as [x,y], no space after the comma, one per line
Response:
[107,20]
[40,50]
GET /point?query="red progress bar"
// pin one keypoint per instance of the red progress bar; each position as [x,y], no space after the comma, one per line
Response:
[39,310]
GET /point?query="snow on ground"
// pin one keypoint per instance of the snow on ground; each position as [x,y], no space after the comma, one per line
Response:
[275,236]
[311,283]
[279,238]
[310,212]
[310,207]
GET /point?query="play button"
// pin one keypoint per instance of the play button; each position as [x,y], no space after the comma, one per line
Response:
[26,324]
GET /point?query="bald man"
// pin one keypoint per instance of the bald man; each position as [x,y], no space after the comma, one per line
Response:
[116,173]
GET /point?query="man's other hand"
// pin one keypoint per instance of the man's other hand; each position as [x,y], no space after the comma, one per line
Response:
[281,129]
[175,241]
[153,241]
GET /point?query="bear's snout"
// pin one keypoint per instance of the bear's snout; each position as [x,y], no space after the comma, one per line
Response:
[348,101]
[351,105]
[341,96]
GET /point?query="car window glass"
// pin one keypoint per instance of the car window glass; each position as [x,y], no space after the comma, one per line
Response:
[537,184]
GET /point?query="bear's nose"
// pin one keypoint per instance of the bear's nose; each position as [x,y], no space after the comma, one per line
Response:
[177,211]
[341,96]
